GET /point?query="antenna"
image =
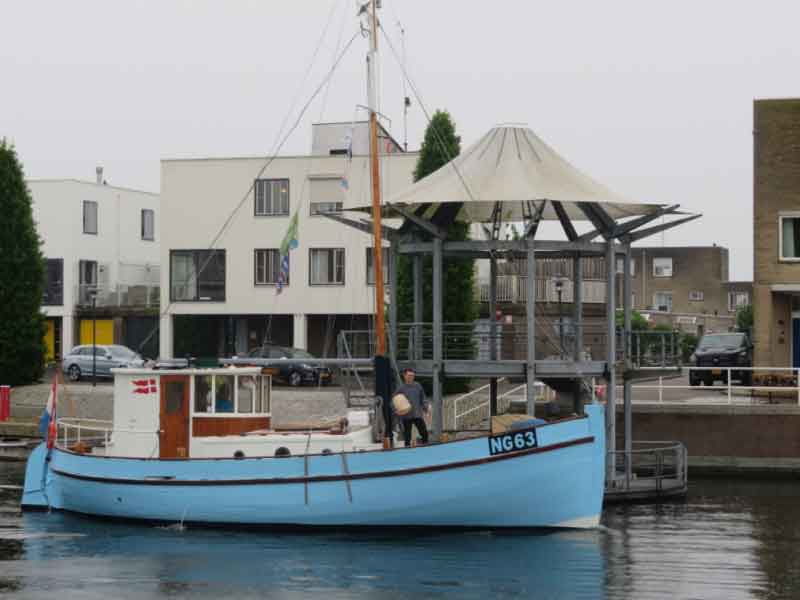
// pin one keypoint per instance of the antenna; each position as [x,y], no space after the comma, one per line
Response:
[406,99]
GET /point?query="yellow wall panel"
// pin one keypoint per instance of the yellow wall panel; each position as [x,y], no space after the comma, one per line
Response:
[105,331]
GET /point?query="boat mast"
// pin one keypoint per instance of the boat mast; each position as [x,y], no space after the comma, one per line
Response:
[377,244]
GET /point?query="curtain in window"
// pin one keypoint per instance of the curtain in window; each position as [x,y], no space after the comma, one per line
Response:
[184,276]
[791,238]
[320,260]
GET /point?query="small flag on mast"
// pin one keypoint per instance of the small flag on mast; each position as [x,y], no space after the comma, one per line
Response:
[289,243]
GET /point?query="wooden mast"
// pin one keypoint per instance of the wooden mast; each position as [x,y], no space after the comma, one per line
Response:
[377,242]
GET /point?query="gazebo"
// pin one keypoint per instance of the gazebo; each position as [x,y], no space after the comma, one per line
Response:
[511,175]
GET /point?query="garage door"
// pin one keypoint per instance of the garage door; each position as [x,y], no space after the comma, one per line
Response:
[105,331]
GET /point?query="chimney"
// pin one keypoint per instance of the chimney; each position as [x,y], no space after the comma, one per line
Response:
[99,172]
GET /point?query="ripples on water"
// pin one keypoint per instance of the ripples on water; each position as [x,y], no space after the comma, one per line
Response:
[729,540]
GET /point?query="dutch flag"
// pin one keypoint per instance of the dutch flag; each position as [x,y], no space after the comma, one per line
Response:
[49,415]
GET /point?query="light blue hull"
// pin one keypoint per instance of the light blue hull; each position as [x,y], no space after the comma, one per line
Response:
[559,483]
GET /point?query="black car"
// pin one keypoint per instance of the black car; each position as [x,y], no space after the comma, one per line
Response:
[294,371]
[719,352]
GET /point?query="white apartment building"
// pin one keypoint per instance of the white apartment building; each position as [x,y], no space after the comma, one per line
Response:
[226,301]
[99,241]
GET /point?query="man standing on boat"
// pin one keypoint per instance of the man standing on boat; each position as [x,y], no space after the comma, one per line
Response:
[419,407]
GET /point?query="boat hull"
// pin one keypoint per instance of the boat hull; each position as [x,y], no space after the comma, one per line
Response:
[557,483]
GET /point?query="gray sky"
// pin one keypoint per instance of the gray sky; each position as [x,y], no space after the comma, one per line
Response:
[652,99]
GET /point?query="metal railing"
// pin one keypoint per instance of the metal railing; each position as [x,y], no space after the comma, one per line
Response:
[71,431]
[659,466]
[118,295]
[504,400]
[768,383]
[511,289]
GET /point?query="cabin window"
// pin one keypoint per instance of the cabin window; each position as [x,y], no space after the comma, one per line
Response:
[203,386]
[223,393]
[246,392]
[231,394]
[174,396]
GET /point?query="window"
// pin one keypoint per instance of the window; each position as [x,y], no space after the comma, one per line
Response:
[231,394]
[272,197]
[326,195]
[318,208]
[327,266]
[87,281]
[245,394]
[53,282]
[790,237]
[737,299]
[148,224]
[90,217]
[203,384]
[197,275]
[662,266]
[663,301]
[371,267]
[621,267]
[696,296]
[223,393]
[268,267]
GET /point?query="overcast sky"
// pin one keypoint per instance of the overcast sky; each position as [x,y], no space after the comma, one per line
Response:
[652,99]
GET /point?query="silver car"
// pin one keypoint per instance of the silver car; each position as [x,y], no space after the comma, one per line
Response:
[78,363]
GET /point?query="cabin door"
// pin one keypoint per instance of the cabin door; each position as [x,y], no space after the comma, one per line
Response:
[174,438]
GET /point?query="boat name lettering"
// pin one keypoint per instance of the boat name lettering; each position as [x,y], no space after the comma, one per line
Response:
[512,442]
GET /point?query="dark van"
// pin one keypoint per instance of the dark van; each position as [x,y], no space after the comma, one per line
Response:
[718,352]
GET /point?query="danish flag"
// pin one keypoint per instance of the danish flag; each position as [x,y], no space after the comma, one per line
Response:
[144,386]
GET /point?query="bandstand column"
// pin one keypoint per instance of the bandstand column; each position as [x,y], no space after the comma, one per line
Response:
[577,303]
[626,353]
[611,382]
[436,425]
[530,313]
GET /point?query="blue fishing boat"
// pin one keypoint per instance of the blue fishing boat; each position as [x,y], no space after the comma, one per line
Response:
[193,462]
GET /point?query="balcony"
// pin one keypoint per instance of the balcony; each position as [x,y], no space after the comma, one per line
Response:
[511,289]
[118,295]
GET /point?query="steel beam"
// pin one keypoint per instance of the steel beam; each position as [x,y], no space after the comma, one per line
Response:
[626,353]
[361,225]
[437,338]
[627,226]
[577,304]
[530,314]
[492,332]
[638,235]
[483,248]
[424,224]
[611,377]
[566,224]
[418,307]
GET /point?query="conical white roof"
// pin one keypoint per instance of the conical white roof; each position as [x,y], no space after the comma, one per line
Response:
[512,165]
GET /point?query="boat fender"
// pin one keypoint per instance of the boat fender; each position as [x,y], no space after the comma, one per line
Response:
[238,454]
[401,405]
[326,451]
[282,452]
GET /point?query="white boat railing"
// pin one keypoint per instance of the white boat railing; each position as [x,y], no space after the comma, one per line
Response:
[73,430]
[659,466]
[769,382]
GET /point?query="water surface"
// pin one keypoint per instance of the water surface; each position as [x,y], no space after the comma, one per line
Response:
[728,540]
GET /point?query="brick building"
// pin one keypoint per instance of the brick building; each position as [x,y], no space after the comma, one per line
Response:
[776,232]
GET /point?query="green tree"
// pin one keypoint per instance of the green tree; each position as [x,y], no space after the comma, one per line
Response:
[22,271]
[744,318]
[439,146]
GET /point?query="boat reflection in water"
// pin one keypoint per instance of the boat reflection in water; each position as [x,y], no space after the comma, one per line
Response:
[134,560]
